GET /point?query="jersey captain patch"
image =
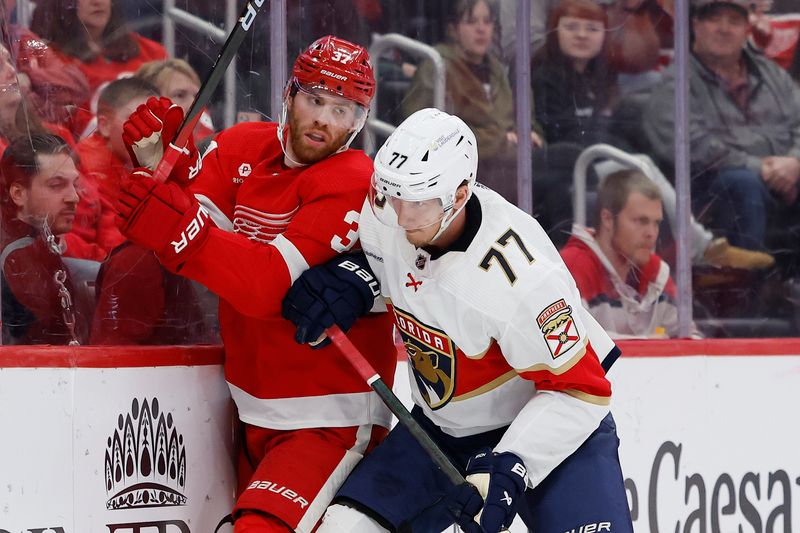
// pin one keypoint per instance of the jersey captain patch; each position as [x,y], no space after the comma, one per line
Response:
[432,356]
[558,327]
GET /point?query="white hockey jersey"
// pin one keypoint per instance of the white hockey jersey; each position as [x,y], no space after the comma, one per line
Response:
[494,331]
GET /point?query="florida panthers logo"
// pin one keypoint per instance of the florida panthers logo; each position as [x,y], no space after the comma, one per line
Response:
[431,358]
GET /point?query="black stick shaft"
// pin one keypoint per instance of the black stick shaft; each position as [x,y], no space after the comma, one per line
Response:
[394,404]
[226,55]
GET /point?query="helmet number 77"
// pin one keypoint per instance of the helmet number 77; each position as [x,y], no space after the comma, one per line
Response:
[396,156]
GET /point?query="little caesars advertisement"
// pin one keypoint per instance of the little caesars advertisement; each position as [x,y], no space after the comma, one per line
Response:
[710,444]
[118,450]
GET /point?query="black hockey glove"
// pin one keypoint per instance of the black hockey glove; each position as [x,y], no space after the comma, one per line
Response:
[501,479]
[464,502]
[337,292]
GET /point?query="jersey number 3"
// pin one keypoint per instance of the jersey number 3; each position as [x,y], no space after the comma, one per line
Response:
[496,255]
[340,245]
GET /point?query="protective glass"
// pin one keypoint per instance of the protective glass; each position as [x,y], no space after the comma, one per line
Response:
[330,108]
[409,215]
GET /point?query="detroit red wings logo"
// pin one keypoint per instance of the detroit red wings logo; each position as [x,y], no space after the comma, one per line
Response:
[558,328]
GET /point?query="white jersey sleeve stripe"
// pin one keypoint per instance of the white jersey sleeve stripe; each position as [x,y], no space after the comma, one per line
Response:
[295,261]
[332,410]
[219,218]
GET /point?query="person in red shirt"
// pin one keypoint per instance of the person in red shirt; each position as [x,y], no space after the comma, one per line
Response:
[105,162]
[268,201]
[92,35]
[39,194]
[625,286]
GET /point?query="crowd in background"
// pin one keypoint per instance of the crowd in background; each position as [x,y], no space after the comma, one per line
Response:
[601,72]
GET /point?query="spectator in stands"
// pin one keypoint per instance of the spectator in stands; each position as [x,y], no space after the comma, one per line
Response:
[573,87]
[623,283]
[638,30]
[138,301]
[39,198]
[92,35]
[478,92]
[53,85]
[177,80]
[744,127]
[106,163]
[18,116]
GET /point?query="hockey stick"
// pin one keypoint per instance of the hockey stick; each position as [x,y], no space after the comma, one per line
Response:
[373,379]
[226,54]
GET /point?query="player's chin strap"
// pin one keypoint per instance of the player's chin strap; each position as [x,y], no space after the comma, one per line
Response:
[281,135]
[447,220]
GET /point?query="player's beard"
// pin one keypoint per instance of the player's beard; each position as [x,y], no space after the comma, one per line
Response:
[309,154]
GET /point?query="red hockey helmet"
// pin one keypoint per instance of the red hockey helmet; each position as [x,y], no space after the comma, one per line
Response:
[338,66]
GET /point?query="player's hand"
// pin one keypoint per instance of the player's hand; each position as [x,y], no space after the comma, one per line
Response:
[148,132]
[501,479]
[337,292]
[464,503]
[161,217]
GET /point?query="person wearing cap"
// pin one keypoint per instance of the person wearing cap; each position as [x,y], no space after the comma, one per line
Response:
[744,133]
[266,202]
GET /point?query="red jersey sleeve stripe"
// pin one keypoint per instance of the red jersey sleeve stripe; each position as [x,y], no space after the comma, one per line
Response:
[586,377]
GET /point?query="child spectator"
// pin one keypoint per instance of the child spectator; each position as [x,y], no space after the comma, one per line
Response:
[39,197]
[106,163]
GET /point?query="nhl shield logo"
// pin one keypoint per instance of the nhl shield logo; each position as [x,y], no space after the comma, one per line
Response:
[431,357]
[558,328]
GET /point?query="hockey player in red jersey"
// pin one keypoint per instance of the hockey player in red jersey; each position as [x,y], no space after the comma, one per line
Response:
[267,202]
[507,367]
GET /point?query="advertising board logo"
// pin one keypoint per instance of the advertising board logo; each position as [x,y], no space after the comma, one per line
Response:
[145,459]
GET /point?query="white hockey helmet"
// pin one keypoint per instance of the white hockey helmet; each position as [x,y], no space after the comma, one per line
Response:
[420,167]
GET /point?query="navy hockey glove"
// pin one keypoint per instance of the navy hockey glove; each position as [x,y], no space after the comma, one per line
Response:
[464,503]
[501,479]
[337,292]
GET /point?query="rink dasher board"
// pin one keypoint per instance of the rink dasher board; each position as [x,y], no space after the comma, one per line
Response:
[115,449]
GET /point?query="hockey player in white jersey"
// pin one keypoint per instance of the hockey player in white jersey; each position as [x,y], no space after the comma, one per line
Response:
[507,368]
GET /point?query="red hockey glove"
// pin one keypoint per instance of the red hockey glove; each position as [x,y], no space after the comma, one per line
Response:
[147,134]
[162,218]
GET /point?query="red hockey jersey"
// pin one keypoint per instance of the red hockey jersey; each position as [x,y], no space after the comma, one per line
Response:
[273,223]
